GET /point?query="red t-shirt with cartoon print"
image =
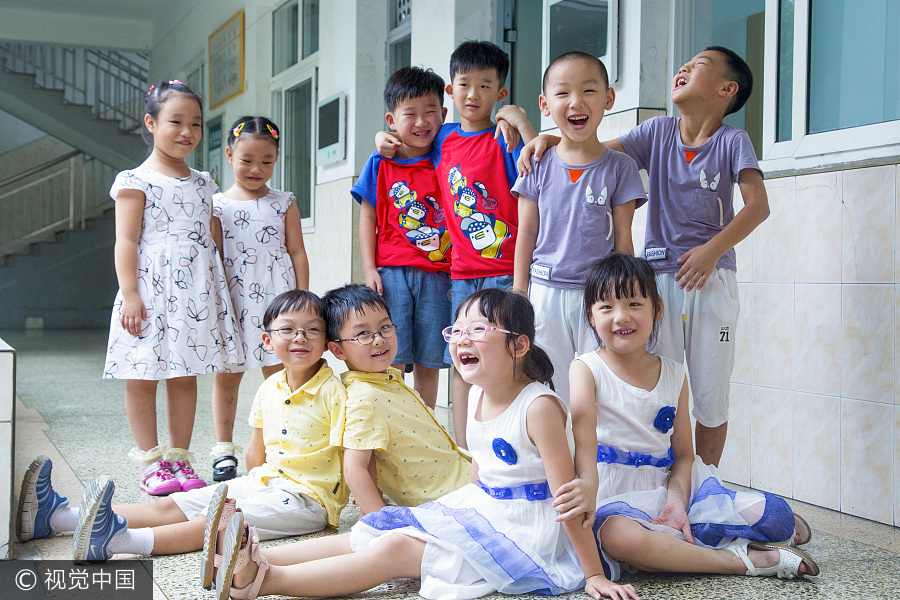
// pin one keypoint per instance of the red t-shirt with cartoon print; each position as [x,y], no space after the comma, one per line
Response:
[411,222]
[475,173]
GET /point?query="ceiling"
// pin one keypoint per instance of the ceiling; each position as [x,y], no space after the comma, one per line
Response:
[130,9]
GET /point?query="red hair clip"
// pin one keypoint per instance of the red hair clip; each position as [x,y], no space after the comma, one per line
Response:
[150,91]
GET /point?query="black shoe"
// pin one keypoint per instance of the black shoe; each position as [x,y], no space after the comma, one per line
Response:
[226,471]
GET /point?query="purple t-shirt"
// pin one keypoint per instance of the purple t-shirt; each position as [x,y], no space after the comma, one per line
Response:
[575,207]
[691,189]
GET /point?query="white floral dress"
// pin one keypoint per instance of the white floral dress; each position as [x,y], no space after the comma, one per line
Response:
[191,327]
[257,264]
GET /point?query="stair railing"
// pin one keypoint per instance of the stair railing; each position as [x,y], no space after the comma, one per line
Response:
[61,194]
[112,84]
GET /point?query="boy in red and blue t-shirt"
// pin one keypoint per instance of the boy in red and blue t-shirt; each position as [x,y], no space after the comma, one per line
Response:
[403,236]
[476,168]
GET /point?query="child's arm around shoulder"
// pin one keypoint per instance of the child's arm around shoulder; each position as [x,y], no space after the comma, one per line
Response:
[546,422]
[513,123]
[697,264]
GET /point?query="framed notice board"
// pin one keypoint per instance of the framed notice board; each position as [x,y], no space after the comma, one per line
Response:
[226,61]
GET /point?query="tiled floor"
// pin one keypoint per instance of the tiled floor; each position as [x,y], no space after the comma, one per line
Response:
[68,413]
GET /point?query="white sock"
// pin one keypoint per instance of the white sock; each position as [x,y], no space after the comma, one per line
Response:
[64,519]
[132,541]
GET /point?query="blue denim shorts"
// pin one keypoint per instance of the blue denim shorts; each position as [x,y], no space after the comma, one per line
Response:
[419,302]
[460,289]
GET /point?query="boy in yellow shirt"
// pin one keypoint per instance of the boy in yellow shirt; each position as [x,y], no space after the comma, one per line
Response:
[392,441]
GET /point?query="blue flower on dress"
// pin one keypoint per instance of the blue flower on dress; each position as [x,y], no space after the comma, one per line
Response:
[504,451]
[665,418]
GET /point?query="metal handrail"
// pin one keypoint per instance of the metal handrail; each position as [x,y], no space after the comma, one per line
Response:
[37,169]
[110,83]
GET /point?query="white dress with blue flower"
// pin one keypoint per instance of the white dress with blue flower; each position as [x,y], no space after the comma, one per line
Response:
[257,264]
[191,327]
[501,536]
[634,453]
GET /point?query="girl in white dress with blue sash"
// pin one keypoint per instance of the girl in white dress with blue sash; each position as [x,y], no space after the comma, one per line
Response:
[659,508]
[499,533]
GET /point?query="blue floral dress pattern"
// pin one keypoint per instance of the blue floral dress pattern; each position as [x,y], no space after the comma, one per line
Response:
[191,327]
[257,264]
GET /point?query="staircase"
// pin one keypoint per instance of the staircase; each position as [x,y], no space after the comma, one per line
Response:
[89,99]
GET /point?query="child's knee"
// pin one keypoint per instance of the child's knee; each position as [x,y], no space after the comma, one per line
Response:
[618,535]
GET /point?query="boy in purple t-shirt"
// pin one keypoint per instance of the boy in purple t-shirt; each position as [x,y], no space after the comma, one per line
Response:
[574,207]
[693,163]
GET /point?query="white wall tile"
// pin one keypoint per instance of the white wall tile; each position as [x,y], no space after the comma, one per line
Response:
[773,334]
[818,228]
[330,248]
[773,240]
[897,466]
[817,342]
[867,347]
[867,250]
[7,393]
[735,463]
[743,340]
[743,252]
[866,461]
[771,440]
[5,487]
[817,450]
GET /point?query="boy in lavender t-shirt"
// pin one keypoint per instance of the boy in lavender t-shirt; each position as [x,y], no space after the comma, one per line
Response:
[576,206]
[693,163]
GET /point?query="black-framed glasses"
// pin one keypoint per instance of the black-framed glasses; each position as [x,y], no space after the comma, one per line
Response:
[291,333]
[475,332]
[368,337]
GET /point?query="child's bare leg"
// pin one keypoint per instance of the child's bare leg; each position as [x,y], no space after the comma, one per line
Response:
[393,557]
[178,538]
[711,442]
[425,380]
[150,514]
[460,405]
[628,541]
[140,406]
[181,405]
[224,404]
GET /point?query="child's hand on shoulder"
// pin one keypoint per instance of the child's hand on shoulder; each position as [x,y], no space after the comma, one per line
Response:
[535,148]
[386,143]
[598,586]
[510,118]
[576,499]
[697,265]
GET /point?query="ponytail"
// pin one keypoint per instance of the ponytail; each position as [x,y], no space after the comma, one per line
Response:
[537,366]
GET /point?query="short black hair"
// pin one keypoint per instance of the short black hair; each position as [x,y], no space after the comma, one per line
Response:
[293,301]
[258,126]
[473,55]
[412,82]
[575,55]
[157,95]
[353,297]
[621,275]
[737,70]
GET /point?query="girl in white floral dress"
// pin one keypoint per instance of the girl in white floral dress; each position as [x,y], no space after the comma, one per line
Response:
[172,318]
[258,232]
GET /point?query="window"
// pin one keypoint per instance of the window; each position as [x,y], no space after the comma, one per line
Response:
[399,46]
[287,45]
[294,108]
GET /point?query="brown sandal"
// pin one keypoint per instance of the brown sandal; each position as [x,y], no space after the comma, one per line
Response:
[218,514]
[236,557]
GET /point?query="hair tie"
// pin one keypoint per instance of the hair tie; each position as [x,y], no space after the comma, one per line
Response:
[237,130]
[150,91]
[272,131]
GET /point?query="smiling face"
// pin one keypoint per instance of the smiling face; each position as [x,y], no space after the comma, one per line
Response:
[474,93]
[702,78]
[299,355]
[488,359]
[417,121]
[624,324]
[575,97]
[253,159]
[177,128]
[376,357]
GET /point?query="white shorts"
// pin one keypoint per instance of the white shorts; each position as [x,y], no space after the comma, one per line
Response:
[273,509]
[700,325]
[561,329]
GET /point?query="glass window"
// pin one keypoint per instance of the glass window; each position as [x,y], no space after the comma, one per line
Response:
[854,63]
[784,118]
[399,38]
[285,28]
[578,25]
[310,27]
[297,145]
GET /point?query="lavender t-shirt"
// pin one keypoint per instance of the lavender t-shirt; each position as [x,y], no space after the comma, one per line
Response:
[691,189]
[575,207]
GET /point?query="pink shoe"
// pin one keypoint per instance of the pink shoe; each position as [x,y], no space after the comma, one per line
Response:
[157,479]
[185,476]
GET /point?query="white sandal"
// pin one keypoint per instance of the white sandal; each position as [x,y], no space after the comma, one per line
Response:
[218,514]
[235,558]
[789,559]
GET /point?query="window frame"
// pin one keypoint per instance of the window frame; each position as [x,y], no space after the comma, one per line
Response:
[395,36]
[872,144]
